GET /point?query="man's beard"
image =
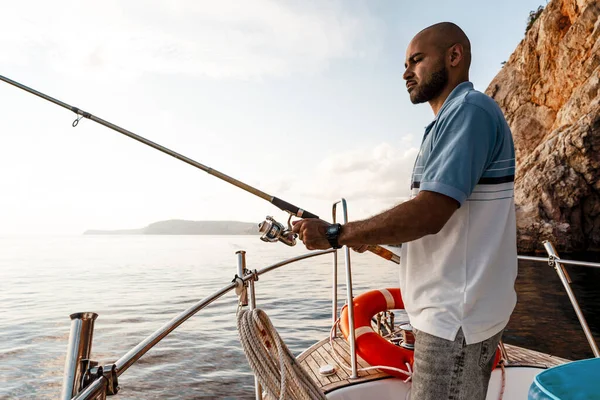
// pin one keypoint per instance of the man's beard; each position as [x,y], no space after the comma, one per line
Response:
[431,87]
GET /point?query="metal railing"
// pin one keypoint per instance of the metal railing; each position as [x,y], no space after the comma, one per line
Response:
[555,261]
[97,382]
[79,352]
[561,261]
[349,294]
[104,380]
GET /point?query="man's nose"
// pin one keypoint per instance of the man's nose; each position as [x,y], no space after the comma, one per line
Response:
[408,73]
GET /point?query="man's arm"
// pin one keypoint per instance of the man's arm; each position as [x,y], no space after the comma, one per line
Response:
[426,214]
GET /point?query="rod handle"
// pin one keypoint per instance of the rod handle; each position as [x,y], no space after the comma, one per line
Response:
[385,253]
[297,211]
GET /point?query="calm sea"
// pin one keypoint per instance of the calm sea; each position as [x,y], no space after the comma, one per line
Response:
[137,283]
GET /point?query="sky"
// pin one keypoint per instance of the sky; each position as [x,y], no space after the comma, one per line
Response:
[303,100]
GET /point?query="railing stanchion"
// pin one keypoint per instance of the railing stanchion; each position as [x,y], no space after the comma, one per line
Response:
[334,283]
[564,278]
[242,272]
[78,353]
[97,387]
[350,297]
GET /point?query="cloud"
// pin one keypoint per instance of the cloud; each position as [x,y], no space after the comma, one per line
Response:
[220,39]
[380,173]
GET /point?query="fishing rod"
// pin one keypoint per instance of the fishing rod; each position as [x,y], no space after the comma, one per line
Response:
[272,231]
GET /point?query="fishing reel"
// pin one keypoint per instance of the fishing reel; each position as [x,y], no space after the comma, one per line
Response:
[273,231]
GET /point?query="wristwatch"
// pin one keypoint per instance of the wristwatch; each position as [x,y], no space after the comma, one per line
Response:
[333,234]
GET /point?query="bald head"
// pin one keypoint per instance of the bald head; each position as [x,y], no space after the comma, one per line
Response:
[445,35]
[437,60]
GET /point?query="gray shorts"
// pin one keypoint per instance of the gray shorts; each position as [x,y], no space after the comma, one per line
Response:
[452,370]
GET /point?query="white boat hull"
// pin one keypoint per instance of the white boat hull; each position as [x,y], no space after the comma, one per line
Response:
[518,381]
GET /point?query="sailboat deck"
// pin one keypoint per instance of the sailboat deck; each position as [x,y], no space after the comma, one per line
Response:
[321,354]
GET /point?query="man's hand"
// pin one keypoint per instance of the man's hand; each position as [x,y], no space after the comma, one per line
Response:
[312,233]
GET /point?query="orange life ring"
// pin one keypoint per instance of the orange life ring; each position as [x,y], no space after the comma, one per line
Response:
[373,348]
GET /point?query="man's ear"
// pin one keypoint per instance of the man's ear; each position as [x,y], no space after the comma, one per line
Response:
[456,54]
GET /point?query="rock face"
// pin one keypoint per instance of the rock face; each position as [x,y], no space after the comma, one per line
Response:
[549,91]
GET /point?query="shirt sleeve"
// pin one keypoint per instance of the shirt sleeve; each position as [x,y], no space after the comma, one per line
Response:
[460,152]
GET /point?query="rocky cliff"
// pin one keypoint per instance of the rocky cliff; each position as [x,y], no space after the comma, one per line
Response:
[549,90]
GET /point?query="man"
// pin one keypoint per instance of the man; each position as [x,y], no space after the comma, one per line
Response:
[459,260]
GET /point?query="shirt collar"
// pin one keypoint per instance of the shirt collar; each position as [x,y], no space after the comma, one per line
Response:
[459,90]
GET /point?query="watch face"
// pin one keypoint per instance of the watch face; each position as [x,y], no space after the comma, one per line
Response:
[333,230]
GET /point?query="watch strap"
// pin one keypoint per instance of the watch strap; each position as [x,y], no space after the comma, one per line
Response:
[333,234]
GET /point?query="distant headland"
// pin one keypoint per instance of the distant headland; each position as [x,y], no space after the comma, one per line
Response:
[182,227]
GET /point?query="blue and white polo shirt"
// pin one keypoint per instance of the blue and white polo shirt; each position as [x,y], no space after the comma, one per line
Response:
[464,275]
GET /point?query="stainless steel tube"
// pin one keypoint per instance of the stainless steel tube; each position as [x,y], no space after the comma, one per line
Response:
[530,258]
[252,289]
[79,348]
[241,262]
[292,260]
[580,263]
[334,294]
[566,262]
[241,268]
[350,298]
[95,390]
[334,279]
[134,354]
[559,268]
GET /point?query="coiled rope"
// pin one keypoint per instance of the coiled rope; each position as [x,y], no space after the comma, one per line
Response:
[272,362]
[277,369]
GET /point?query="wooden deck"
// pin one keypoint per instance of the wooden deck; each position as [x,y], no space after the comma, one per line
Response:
[321,354]
[521,356]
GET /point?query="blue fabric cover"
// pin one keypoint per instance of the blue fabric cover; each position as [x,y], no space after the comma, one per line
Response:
[578,380]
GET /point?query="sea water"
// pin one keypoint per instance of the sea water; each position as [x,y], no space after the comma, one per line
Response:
[137,283]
